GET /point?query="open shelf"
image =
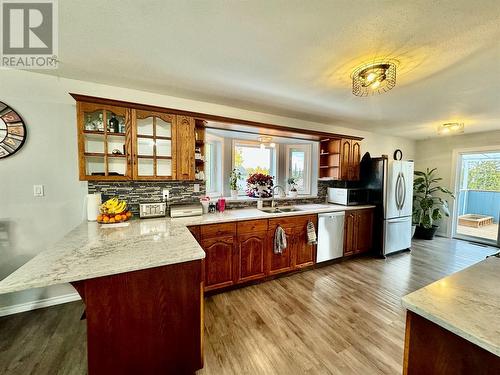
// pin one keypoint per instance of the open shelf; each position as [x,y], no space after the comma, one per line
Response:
[109,134]
[101,155]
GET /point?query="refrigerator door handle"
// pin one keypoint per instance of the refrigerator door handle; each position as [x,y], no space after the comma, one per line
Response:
[396,192]
[403,199]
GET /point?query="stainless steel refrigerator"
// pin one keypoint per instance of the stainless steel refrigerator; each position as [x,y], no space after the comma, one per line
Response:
[390,187]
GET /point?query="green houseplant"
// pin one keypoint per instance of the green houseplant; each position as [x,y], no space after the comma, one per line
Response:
[427,207]
[233,182]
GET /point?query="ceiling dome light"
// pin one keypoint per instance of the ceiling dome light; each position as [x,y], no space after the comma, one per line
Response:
[372,78]
[451,127]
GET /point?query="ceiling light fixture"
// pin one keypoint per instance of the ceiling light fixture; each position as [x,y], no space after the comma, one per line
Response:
[372,78]
[266,141]
[451,127]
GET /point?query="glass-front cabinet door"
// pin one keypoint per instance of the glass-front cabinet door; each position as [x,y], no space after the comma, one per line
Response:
[154,145]
[104,142]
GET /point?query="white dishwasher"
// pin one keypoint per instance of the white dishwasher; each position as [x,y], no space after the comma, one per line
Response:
[330,236]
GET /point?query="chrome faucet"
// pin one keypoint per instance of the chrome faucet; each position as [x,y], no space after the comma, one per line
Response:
[273,203]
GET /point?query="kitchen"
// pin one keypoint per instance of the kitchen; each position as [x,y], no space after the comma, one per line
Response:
[256,228]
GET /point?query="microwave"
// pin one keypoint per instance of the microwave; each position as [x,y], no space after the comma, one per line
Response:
[348,196]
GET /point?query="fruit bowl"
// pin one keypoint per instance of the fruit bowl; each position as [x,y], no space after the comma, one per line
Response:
[113,211]
[114,218]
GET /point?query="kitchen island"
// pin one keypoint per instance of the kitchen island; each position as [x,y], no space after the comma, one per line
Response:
[142,286]
[452,325]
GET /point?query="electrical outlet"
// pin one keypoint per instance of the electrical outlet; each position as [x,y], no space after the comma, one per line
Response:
[196,188]
[38,191]
[166,194]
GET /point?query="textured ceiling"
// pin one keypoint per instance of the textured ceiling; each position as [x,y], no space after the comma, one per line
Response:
[294,58]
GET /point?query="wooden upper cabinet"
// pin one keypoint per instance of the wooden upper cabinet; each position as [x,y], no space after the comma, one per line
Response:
[185,148]
[118,143]
[154,145]
[104,142]
[355,159]
[350,156]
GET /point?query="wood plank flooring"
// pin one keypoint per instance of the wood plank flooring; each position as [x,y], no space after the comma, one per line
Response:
[345,318]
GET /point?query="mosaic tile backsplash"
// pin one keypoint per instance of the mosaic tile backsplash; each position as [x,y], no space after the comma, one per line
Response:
[181,192]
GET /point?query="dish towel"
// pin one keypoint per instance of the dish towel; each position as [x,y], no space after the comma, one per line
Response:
[279,240]
[311,234]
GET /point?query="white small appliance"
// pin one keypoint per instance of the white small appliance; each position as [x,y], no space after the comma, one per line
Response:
[330,236]
[347,196]
[147,210]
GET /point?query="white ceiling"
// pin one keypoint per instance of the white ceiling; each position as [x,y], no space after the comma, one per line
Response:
[294,57]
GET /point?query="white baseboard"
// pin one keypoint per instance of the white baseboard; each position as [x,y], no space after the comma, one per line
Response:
[38,304]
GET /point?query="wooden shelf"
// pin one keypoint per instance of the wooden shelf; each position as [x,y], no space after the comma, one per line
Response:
[101,155]
[329,166]
[153,137]
[96,132]
[154,157]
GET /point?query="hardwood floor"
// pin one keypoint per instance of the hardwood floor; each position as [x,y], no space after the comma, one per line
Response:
[345,318]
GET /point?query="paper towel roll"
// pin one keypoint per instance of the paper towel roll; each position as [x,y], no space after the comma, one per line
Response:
[93,202]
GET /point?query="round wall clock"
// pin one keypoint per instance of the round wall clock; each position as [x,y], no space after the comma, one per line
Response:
[12,131]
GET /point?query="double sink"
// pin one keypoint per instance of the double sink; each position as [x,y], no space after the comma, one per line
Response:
[279,210]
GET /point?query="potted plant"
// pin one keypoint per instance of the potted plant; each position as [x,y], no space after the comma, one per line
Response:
[233,182]
[427,207]
[260,185]
[292,182]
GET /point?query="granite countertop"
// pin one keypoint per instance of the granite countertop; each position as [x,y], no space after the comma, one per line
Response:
[466,303]
[89,251]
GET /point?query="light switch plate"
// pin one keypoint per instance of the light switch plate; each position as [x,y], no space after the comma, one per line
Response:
[166,194]
[196,188]
[38,191]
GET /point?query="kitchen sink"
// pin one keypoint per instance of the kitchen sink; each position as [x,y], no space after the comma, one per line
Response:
[277,210]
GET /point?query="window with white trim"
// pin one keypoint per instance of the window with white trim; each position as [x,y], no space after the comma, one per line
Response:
[253,157]
[298,166]
[213,167]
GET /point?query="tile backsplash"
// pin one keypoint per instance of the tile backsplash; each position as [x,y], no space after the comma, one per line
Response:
[136,192]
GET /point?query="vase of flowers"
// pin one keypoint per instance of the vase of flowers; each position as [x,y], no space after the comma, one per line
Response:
[233,182]
[260,185]
[292,183]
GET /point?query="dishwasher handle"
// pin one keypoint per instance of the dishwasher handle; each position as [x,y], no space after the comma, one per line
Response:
[332,214]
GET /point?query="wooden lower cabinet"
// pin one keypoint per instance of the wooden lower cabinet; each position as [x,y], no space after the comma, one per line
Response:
[251,256]
[145,322]
[305,254]
[298,253]
[358,228]
[241,252]
[219,262]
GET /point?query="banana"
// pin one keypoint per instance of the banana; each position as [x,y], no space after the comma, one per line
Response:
[113,206]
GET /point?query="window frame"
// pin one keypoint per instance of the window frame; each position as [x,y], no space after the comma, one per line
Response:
[217,145]
[273,162]
[307,148]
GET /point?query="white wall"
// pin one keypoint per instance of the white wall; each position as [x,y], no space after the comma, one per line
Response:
[49,157]
[438,153]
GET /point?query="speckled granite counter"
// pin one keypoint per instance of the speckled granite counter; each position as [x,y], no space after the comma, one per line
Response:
[466,303]
[90,251]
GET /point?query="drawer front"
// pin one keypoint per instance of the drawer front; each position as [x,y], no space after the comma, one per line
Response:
[218,230]
[293,222]
[252,226]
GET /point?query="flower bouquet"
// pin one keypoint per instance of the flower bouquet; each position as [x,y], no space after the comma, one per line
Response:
[260,186]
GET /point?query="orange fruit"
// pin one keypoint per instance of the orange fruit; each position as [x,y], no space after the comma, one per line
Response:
[112,220]
[129,214]
[99,218]
[105,219]
[118,217]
